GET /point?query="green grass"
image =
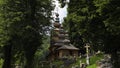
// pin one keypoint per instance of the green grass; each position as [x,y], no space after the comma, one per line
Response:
[93,61]
[95,58]
[92,66]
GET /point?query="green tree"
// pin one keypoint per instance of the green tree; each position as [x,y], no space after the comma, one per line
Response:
[97,22]
[110,11]
[80,15]
[42,52]
[23,25]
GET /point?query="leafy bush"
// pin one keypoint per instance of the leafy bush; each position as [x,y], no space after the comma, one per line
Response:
[92,66]
[1,62]
[95,58]
[58,63]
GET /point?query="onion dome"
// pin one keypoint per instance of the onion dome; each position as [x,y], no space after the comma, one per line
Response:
[57,18]
[57,25]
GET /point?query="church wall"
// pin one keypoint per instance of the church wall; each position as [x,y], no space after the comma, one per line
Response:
[68,53]
[75,53]
[63,53]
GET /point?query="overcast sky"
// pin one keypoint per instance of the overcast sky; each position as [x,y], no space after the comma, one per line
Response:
[62,11]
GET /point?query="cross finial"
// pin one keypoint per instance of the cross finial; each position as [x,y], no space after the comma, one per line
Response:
[57,9]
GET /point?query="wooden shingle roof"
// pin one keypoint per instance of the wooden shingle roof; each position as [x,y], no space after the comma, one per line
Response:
[68,47]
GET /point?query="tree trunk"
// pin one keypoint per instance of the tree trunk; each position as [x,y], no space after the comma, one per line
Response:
[29,63]
[29,55]
[7,56]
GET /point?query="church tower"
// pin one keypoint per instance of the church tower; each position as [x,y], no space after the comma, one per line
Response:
[60,46]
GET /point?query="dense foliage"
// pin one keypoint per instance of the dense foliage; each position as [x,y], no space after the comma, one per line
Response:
[22,26]
[96,22]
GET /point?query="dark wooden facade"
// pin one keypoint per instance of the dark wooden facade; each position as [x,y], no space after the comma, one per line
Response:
[60,44]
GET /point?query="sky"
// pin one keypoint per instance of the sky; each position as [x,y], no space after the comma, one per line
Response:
[62,11]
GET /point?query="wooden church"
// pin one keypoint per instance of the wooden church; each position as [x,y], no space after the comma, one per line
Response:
[60,46]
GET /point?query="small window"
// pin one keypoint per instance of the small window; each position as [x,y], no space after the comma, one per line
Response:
[71,53]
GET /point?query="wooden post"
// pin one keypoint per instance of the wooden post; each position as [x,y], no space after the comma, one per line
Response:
[87,52]
[80,60]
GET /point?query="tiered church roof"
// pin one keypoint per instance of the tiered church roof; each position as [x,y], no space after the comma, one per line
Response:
[62,36]
[60,39]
